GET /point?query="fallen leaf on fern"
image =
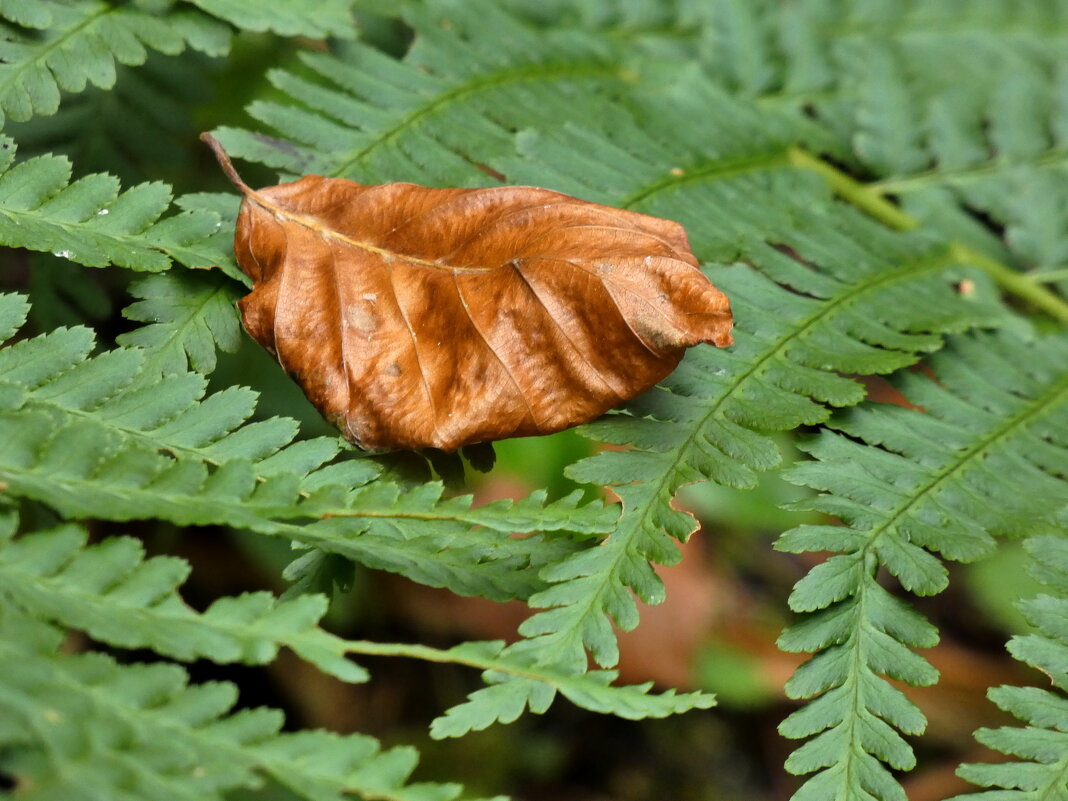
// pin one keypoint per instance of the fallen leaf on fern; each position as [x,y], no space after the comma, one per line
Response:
[416,317]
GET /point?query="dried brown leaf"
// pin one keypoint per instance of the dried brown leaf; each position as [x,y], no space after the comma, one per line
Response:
[416,317]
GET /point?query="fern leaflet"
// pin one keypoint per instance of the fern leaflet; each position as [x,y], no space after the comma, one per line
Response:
[77,42]
[1044,742]
[436,117]
[316,19]
[187,316]
[91,223]
[85,726]
[116,596]
[511,692]
[1000,405]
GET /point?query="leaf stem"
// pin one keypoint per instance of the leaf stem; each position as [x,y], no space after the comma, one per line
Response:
[454,656]
[873,203]
[225,163]
[1048,277]
[854,191]
[1019,284]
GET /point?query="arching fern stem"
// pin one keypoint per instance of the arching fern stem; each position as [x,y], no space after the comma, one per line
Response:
[864,198]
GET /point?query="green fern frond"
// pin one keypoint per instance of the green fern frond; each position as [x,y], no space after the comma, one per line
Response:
[55,376]
[317,19]
[830,295]
[78,42]
[442,114]
[111,592]
[509,696]
[158,450]
[143,125]
[91,223]
[986,456]
[187,316]
[952,107]
[115,595]
[415,532]
[85,726]
[1044,742]
[949,104]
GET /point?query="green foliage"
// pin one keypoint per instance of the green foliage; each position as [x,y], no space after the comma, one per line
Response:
[187,315]
[439,115]
[951,107]
[317,18]
[117,597]
[90,222]
[934,137]
[144,123]
[91,438]
[776,133]
[68,45]
[821,304]
[111,592]
[86,726]
[992,438]
[995,146]
[1044,742]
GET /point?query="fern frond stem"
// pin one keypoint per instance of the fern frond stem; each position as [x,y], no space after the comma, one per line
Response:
[716,169]
[445,656]
[855,701]
[640,32]
[1020,284]
[794,98]
[1048,277]
[280,521]
[854,191]
[872,202]
[493,81]
[227,165]
[891,186]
